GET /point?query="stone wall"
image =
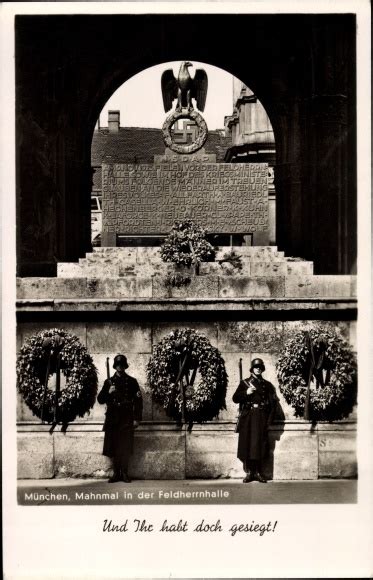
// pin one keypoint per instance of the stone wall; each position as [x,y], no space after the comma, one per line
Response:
[162,450]
[260,284]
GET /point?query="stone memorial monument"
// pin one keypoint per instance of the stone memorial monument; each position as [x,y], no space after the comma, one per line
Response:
[146,199]
[249,302]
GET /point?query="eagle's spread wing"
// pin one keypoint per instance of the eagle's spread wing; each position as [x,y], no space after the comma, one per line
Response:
[169,88]
[199,91]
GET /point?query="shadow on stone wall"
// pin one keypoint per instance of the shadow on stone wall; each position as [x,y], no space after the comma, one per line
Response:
[275,434]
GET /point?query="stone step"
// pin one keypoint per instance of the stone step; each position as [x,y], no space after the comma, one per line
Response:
[299,268]
[110,250]
[118,267]
[156,260]
[158,264]
[258,268]
[125,259]
[249,250]
[69,270]
[139,254]
[85,269]
[96,269]
[129,253]
[208,287]
[146,262]
[155,249]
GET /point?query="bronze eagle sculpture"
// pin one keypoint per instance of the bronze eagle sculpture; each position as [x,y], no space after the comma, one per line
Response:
[184,88]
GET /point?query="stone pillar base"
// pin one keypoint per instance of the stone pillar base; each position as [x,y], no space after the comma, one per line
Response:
[162,451]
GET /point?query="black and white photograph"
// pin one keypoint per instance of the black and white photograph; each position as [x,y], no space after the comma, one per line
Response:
[190,270]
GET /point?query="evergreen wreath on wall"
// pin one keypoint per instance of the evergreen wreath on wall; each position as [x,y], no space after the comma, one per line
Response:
[37,361]
[186,244]
[333,385]
[205,398]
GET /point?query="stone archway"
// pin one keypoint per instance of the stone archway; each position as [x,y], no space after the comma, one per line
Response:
[300,66]
[239,132]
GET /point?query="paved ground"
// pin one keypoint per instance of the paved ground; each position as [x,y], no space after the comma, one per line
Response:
[221,491]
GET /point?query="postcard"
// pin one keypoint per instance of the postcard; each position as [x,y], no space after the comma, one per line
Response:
[186,291]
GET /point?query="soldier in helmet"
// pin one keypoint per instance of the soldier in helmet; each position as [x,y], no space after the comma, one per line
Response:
[122,396]
[257,399]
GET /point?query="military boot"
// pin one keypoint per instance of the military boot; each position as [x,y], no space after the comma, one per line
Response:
[249,477]
[115,477]
[124,477]
[259,477]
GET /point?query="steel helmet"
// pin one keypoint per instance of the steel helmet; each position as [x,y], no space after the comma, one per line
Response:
[120,359]
[257,362]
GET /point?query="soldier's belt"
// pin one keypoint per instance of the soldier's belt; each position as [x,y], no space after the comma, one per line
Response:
[258,405]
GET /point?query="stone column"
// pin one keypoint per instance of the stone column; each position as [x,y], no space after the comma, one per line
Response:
[290,203]
[327,183]
[330,156]
[53,162]
[315,173]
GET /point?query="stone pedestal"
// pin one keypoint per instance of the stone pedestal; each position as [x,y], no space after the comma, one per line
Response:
[162,451]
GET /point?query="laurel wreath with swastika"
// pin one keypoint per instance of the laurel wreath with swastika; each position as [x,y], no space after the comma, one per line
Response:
[201,135]
[320,360]
[203,398]
[49,352]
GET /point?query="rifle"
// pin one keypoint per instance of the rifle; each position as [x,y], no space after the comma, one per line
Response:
[108,372]
[237,428]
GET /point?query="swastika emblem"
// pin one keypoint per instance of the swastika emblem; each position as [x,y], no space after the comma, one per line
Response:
[184,132]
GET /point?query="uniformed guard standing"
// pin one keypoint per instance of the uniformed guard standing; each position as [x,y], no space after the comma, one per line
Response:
[257,399]
[122,396]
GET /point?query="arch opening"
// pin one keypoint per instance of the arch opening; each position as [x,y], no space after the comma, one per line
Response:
[128,131]
[287,61]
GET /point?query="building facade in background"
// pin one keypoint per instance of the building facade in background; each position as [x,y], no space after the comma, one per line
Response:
[252,140]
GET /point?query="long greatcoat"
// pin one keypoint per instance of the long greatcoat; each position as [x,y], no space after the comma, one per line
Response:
[257,413]
[124,406]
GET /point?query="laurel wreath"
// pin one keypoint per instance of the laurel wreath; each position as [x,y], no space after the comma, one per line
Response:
[206,397]
[79,394]
[334,399]
[185,148]
[186,244]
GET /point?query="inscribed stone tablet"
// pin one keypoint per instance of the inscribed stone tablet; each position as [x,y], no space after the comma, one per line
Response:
[222,197]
